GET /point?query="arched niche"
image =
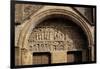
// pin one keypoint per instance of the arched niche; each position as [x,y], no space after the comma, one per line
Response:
[38,18]
[57,32]
[27,29]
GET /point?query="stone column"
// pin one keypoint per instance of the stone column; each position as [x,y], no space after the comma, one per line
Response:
[29,60]
[24,55]
[17,56]
[93,53]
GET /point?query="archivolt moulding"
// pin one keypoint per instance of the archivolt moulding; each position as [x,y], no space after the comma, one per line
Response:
[49,13]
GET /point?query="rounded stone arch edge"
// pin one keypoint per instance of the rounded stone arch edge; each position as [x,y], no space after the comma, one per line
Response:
[38,18]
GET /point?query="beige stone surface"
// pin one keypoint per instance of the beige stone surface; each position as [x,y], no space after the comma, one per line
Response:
[56,42]
[59,57]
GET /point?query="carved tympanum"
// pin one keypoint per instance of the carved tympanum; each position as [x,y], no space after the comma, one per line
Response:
[53,35]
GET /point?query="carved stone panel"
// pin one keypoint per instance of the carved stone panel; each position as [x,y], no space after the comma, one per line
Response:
[56,35]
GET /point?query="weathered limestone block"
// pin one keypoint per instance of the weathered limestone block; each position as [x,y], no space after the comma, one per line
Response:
[58,57]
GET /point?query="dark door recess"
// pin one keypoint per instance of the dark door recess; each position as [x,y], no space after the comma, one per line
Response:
[74,57]
[41,58]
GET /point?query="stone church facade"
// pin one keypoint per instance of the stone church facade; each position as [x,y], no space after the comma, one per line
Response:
[47,34]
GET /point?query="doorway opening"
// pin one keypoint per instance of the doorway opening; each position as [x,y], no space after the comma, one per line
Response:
[74,57]
[41,58]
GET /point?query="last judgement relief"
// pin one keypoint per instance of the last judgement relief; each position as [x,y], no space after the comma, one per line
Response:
[53,34]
